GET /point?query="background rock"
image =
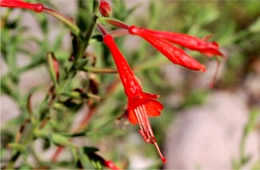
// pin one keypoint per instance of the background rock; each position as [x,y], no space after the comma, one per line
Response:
[208,137]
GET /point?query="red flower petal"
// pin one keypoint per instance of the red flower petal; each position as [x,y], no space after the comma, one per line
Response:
[188,41]
[149,95]
[37,7]
[111,165]
[173,53]
[131,117]
[154,108]
[140,104]
[130,83]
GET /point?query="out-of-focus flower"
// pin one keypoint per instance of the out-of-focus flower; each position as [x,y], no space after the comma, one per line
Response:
[140,104]
[105,8]
[111,165]
[173,53]
[37,7]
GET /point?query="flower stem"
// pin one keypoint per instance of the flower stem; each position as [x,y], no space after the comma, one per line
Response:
[114,22]
[73,28]
[118,33]
[88,35]
[102,29]
[100,70]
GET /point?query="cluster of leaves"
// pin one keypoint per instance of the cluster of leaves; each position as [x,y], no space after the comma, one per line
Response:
[51,120]
[82,79]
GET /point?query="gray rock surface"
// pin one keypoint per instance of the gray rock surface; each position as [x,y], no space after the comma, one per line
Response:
[208,136]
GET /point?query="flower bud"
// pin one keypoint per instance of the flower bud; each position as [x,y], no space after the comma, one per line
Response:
[105,8]
[111,165]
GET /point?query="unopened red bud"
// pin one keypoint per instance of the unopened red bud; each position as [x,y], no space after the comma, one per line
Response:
[105,8]
[111,165]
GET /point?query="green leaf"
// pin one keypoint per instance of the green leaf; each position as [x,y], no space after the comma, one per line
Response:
[255,27]
[83,18]
[207,15]
[252,121]
[95,160]
[17,147]
[256,166]
[74,154]
[25,167]
[53,67]
[75,134]
[61,140]
[58,41]
[43,23]
[83,160]
[97,38]
[41,133]
[73,27]
[81,63]
[245,160]
[88,150]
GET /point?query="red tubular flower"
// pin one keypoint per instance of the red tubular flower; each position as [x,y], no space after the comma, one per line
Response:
[173,53]
[110,164]
[140,104]
[37,7]
[193,43]
[105,8]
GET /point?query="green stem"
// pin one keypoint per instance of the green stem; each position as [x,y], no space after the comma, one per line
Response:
[85,42]
[35,156]
[17,153]
[74,28]
[82,47]
[99,70]
[113,22]
[45,107]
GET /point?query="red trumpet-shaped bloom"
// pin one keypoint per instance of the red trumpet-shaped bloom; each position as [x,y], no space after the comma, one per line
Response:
[173,53]
[140,104]
[193,43]
[37,7]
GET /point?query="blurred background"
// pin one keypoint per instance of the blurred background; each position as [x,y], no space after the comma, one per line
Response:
[199,128]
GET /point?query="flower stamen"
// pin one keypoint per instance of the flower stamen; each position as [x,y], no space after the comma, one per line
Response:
[160,153]
[140,114]
[146,129]
[152,138]
[140,121]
